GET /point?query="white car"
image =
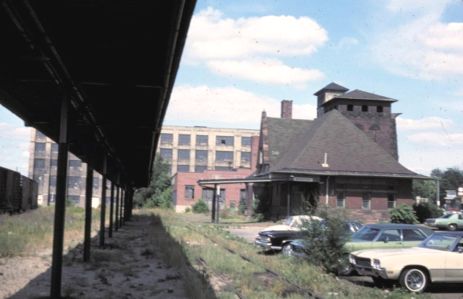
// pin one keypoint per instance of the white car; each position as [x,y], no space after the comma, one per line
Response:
[295,223]
[439,258]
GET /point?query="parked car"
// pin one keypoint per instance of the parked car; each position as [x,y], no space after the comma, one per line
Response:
[275,237]
[384,235]
[439,258]
[452,221]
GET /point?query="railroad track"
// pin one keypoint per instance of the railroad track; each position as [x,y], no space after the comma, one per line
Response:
[293,287]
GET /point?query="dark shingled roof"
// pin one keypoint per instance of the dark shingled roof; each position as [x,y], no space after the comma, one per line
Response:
[332,86]
[349,151]
[280,132]
[363,95]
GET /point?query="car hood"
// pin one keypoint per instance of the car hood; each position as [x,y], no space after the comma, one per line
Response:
[382,253]
[279,227]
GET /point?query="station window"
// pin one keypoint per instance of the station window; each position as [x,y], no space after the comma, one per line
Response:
[379,108]
[364,108]
[390,201]
[366,201]
[350,107]
[340,200]
[189,191]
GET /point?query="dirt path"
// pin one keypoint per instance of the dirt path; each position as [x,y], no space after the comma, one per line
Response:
[130,267]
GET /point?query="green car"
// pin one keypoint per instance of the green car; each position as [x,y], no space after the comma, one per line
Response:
[447,221]
[388,235]
[370,236]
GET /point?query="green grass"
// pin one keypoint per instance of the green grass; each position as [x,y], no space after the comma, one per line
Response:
[218,256]
[32,231]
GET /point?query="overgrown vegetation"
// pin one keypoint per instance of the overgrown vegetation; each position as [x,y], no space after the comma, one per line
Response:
[403,214]
[33,231]
[235,268]
[159,192]
[200,207]
[324,241]
[426,210]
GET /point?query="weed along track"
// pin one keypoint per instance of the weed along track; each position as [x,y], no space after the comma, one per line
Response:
[227,266]
[266,275]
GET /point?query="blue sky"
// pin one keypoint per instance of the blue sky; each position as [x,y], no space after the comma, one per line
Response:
[243,57]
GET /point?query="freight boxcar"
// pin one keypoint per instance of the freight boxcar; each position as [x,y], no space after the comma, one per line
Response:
[17,193]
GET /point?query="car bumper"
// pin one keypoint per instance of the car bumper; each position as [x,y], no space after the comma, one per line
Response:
[267,246]
[368,271]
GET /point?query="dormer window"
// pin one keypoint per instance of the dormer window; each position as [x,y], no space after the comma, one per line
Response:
[379,108]
[364,108]
[350,107]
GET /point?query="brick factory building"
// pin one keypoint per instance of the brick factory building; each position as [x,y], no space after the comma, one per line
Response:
[196,153]
[189,151]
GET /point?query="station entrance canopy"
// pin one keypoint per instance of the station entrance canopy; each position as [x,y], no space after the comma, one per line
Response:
[115,61]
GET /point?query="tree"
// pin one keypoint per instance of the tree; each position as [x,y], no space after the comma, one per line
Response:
[159,191]
[403,214]
[425,189]
[450,179]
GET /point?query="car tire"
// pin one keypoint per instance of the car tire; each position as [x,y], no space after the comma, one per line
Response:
[452,227]
[414,279]
[287,250]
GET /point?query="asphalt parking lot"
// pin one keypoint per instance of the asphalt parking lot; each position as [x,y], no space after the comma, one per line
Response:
[440,291]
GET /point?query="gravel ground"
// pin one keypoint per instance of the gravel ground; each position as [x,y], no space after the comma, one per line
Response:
[129,267]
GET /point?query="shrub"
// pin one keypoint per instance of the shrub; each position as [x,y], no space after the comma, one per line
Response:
[200,207]
[325,242]
[403,214]
[426,210]
[187,210]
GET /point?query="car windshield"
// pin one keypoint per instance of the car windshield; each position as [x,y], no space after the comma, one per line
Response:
[446,216]
[439,242]
[365,234]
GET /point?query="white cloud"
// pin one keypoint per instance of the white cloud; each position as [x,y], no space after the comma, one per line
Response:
[425,48]
[224,44]
[347,42]
[432,122]
[265,71]
[202,105]
[421,7]
[14,146]
[437,139]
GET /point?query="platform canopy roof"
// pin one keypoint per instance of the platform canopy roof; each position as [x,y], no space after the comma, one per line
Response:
[115,60]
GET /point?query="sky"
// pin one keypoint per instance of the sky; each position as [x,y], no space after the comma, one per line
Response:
[243,57]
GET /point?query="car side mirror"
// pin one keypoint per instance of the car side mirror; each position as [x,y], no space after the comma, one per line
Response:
[386,240]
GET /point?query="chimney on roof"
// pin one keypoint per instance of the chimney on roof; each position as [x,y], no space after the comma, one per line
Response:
[287,109]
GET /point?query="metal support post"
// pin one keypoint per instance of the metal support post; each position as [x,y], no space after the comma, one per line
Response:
[88,212]
[60,202]
[117,224]
[122,208]
[111,211]
[217,209]
[214,199]
[103,202]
